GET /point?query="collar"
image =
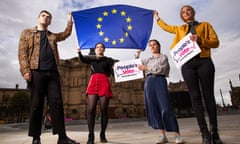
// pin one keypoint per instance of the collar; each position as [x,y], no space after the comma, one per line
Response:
[35,30]
[193,23]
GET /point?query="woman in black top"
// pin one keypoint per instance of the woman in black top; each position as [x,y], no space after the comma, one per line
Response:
[98,89]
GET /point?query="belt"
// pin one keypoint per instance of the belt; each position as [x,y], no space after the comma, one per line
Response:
[156,75]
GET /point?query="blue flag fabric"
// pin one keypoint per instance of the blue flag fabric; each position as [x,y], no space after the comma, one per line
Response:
[116,26]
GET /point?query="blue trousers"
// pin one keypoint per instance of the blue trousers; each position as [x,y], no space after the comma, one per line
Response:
[158,104]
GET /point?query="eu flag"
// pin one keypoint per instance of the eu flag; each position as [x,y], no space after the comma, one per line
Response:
[116,26]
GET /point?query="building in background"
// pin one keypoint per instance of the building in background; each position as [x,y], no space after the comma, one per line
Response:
[127,100]
[6,109]
[181,100]
[235,94]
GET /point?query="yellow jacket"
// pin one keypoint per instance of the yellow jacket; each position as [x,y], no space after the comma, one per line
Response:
[204,30]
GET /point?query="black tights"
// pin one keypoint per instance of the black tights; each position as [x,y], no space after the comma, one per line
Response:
[91,112]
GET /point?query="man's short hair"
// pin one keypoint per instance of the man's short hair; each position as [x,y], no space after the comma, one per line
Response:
[45,11]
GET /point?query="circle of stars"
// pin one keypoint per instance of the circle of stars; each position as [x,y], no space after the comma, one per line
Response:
[122,38]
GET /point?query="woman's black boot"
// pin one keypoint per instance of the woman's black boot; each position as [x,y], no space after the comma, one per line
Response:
[90,138]
[103,137]
[206,137]
[215,137]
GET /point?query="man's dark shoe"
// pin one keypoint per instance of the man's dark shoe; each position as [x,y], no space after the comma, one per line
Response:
[36,141]
[67,141]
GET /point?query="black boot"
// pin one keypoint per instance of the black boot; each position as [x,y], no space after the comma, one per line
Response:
[206,137]
[103,137]
[36,140]
[215,137]
[90,138]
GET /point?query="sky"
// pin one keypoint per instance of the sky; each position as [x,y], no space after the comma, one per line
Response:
[223,16]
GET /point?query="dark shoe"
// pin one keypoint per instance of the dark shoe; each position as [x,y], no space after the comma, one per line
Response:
[103,137]
[36,141]
[67,141]
[90,138]
[216,139]
[90,141]
[206,137]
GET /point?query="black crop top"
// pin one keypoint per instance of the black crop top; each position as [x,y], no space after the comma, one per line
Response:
[99,64]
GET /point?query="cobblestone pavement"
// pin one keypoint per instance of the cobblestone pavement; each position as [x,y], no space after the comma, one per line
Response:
[128,131]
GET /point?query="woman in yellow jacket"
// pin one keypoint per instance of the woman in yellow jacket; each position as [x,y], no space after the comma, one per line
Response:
[199,72]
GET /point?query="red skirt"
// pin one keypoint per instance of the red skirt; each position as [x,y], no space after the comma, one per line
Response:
[99,85]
